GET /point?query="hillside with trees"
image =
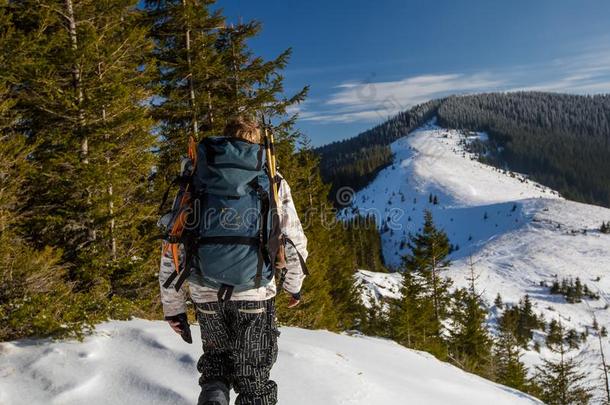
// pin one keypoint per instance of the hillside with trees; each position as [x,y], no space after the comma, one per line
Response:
[354,162]
[561,141]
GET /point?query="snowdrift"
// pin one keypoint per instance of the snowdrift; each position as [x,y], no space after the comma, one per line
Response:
[144,362]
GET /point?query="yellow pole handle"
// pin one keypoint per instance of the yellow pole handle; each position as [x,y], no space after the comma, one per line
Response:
[271,162]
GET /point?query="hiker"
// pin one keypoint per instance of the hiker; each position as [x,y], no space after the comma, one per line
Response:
[236,317]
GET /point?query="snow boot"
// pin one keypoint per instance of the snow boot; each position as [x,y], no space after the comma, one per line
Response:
[214,393]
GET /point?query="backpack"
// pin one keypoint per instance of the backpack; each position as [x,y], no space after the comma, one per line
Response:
[231,232]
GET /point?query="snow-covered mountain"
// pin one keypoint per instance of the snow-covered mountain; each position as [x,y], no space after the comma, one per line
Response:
[143,362]
[519,234]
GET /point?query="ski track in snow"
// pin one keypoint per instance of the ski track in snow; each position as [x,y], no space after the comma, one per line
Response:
[144,362]
[530,233]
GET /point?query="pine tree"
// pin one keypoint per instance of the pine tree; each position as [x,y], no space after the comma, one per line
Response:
[572,339]
[34,298]
[510,370]
[429,251]
[363,238]
[207,74]
[559,381]
[469,341]
[189,76]
[428,258]
[82,88]
[524,320]
[375,322]
[498,301]
[330,298]
[412,317]
[603,363]
[554,334]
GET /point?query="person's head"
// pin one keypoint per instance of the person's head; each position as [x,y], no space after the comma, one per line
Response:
[243,127]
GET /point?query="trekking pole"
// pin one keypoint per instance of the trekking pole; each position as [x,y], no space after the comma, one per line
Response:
[280,258]
[270,150]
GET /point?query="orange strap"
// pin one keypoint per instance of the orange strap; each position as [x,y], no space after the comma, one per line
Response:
[178,227]
[180,223]
[192,151]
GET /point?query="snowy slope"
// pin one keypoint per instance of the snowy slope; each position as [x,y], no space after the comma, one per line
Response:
[377,287]
[144,362]
[518,233]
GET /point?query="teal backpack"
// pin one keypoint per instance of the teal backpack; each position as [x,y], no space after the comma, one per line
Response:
[232,234]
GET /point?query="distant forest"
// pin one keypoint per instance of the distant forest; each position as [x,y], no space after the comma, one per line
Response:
[559,140]
[354,162]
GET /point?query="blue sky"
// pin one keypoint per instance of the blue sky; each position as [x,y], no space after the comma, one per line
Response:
[366,60]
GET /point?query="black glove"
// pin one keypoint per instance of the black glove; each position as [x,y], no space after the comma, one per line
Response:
[185,328]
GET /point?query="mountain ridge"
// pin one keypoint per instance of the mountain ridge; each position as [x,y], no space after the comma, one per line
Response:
[560,140]
[521,236]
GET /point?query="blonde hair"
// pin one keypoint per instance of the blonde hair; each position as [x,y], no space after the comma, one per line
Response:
[245,128]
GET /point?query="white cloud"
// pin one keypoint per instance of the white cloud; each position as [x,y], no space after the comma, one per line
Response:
[408,90]
[584,73]
[371,101]
[587,72]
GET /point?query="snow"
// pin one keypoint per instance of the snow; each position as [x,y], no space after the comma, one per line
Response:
[377,287]
[144,362]
[530,235]
[518,233]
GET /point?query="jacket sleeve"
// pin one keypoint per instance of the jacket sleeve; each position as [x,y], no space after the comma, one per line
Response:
[292,228]
[174,302]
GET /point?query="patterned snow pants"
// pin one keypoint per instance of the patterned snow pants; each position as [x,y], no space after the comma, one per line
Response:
[239,348]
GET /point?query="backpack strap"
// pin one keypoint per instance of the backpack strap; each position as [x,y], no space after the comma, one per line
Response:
[182,180]
[190,241]
[182,202]
[263,234]
[190,246]
[227,240]
[225,292]
[170,279]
